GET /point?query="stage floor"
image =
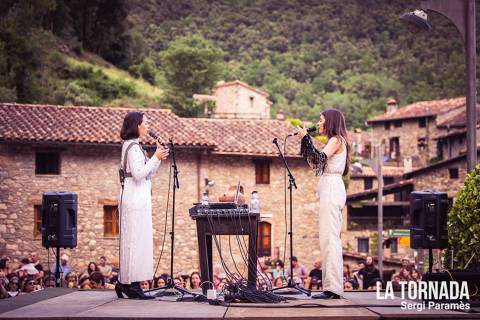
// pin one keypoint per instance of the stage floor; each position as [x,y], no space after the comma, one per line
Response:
[61,303]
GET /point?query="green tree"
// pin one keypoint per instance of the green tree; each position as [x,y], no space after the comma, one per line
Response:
[464,225]
[191,65]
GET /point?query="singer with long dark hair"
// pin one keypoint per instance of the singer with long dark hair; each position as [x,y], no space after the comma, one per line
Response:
[330,163]
[135,207]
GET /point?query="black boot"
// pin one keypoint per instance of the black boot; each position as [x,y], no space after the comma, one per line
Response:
[119,289]
[135,292]
[326,295]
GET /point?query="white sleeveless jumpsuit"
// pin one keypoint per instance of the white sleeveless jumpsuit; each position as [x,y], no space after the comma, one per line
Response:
[332,197]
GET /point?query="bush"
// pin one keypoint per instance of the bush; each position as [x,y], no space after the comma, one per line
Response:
[98,83]
[464,225]
[148,70]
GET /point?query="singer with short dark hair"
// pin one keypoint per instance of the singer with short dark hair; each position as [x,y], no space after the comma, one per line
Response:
[135,207]
[330,164]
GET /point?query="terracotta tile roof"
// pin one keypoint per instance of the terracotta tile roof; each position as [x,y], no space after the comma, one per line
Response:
[248,136]
[70,124]
[434,166]
[454,132]
[386,171]
[47,123]
[388,189]
[417,109]
[459,120]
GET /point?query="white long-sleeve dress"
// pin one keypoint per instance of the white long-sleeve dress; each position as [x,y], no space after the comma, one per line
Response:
[332,198]
[136,233]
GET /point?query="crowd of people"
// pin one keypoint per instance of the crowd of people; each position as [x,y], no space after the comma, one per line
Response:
[31,276]
[365,276]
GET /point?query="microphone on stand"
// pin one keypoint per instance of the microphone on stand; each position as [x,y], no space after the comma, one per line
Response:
[152,134]
[309,130]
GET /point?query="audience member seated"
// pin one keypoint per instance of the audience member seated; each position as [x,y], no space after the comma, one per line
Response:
[64,267]
[415,276]
[71,280]
[13,287]
[104,268]
[36,263]
[92,267]
[195,280]
[279,269]
[316,272]
[315,284]
[84,282]
[97,280]
[28,268]
[49,281]
[4,265]
[357,275]
[279,282]
[299,271]
[369,273]
[3,284]
[30,284]
[350,284]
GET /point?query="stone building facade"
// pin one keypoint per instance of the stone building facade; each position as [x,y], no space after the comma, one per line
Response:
[443,176]
[409,134]
[211,156]
[237,100]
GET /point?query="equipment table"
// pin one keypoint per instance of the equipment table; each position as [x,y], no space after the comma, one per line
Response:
[225,222]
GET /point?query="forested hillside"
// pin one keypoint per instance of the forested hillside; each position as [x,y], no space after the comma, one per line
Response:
[308,55]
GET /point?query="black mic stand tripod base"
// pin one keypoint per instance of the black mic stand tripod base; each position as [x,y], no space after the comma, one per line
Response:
[170,282]
[291,283]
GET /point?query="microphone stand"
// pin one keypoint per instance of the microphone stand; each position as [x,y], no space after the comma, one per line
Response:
[170,282]
[291,283]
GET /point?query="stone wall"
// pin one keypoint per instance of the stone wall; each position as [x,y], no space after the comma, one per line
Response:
[408,134]
[235,100]
[439,179]
[92,172]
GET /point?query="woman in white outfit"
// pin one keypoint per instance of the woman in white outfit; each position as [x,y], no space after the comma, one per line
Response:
[331,163]
[136,233]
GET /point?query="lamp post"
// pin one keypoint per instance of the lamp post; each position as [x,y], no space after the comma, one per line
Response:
[462,14]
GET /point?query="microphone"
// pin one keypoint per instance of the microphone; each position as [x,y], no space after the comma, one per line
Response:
[152,134]
[309,130]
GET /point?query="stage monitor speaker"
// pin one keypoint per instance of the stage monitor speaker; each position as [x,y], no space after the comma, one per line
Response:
[59,219]
[428,216]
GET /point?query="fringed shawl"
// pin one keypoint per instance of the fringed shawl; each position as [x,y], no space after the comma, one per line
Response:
[316,159]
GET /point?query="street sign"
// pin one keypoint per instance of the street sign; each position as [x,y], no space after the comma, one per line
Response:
[398,232]
[404,241]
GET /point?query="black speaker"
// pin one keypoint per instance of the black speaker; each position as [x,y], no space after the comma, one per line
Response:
[59,219]
[428,216]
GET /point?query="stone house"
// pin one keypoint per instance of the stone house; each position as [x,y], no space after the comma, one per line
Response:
[409,134]
[237,100]
[454,138]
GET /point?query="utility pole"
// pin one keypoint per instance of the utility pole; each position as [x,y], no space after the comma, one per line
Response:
[376,165]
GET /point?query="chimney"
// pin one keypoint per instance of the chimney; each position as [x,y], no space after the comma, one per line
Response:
[392,106]
[280,115]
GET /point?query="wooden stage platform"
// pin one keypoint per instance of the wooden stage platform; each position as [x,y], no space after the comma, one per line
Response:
[58,303]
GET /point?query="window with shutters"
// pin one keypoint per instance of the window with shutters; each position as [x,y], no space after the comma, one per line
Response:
[367,183]
[362,245]
[262,172]
[264,239]
[110,221]
[47,163]
[37,221]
